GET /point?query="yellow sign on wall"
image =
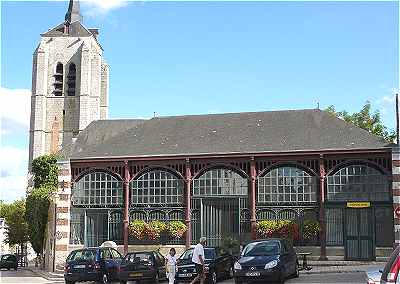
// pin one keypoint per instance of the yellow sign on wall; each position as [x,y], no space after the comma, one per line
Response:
[358,204]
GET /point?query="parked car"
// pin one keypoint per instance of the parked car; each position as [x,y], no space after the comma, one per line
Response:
[389,274]
[92,264]
[271,260]
[218,264]
[145,265]
[9,261]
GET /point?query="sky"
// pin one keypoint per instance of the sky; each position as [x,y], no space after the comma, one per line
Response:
[175,58]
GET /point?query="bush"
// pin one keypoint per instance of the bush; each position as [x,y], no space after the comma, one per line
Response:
[279,229]
[311,229]
[176,229]
[137,228]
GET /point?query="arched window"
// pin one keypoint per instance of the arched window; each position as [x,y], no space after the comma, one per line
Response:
[220,182]
[58,80]
[358,183]
[287,185]
[157,187]
[97,189]
[71,82]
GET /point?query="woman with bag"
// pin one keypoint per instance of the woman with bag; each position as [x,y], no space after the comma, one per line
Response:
[170,263]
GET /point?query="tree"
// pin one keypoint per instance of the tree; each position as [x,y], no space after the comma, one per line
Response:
[366,119]
[17,228]
[45,179]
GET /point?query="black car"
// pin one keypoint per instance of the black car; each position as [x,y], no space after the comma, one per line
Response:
[9,261]
[218,264]
[146,265]
[272,260]
[92,264]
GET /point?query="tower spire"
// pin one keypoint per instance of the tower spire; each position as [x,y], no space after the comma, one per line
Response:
[73,14]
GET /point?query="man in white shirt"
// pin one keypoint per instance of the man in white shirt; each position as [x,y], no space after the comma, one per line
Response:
[198,259]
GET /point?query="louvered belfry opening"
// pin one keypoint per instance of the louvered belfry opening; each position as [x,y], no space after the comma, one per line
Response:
[58,80]
[71,79]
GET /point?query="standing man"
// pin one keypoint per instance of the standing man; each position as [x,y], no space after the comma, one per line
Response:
[198,259]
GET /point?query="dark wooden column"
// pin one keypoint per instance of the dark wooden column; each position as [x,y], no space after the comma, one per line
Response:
[253,177]
[322,234]
[126,205]
[188,177]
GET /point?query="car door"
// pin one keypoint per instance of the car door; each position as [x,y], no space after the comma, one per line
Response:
[108,262]
[286,258]
[223,261]
[160,264]
[117,258]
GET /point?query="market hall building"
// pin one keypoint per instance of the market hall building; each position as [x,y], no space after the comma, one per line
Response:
[222,173]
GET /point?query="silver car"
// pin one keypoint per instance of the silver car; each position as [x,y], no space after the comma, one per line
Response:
[389,274]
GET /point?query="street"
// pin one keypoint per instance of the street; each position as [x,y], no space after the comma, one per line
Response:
[27,277]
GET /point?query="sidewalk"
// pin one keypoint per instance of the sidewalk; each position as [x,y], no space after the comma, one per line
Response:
[322,267]
[51,276]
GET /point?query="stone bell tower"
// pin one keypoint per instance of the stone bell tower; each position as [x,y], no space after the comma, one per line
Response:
[69,83]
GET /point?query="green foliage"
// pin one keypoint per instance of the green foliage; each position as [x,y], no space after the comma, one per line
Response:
[366,119]
[137,228]
[45,171]
[279,228]
[154,229]
[37,209]
[311,229]
[176,229]
[230,245]
[17,229]
[45,178]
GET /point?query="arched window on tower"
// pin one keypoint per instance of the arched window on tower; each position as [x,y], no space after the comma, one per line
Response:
[71,79]
[58,80]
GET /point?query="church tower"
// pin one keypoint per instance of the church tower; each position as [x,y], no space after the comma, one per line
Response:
[69,84]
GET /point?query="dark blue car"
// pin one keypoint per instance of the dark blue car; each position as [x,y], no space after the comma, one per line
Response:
[271,260]
[92,264]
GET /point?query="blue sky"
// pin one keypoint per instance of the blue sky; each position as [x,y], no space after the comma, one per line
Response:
[177,58]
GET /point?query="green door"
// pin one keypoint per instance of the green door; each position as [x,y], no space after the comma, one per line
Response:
[358,234]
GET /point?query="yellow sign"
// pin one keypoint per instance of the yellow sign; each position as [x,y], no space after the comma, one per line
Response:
[358,204]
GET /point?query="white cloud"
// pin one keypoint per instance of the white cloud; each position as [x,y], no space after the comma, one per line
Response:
[15,105]
[103,6]
[13,169]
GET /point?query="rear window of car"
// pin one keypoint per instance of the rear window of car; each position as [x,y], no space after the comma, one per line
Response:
[389,264]
[143,256]
[8,257]
[82,255]
[262,248]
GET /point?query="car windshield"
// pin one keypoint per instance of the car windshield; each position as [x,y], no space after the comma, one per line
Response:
[209,253]
[262,248]
[141,256]
[82,255]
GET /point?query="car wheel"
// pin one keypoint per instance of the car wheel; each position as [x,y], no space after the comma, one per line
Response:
[237,281]
[69,282]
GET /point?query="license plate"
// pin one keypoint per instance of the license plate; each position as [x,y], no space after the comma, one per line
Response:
[135,274]
[185,275]
[252,274]
[80,266]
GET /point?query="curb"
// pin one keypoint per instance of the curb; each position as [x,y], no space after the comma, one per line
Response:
[332,271]
[44,274]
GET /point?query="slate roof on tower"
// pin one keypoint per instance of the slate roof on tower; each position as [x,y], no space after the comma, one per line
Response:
[251,132]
